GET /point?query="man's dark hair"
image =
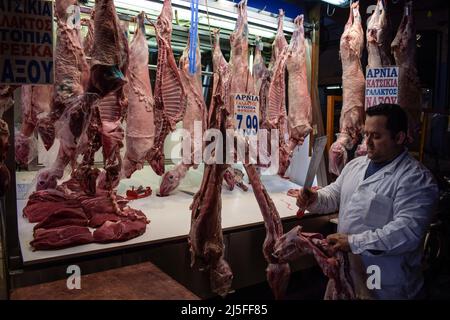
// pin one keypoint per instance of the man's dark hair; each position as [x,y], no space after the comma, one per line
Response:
[397,120]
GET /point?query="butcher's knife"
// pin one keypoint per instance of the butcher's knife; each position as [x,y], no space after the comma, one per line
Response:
[319,146]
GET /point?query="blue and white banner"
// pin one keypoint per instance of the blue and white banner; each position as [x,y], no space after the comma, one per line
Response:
[381,86]
[26,42]
[193,37]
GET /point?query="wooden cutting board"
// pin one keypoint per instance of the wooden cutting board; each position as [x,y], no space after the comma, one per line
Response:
[142,281]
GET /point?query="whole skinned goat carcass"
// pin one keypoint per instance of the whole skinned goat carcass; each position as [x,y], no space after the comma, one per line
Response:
[195,115]
[140,131]
[300,107]
[221,81]
[261,75]
[353,85]
[170,97]
[378,36]
[71,70]
[409,92]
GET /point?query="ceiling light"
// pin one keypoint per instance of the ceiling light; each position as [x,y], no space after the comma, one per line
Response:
[223,15]
[339,3]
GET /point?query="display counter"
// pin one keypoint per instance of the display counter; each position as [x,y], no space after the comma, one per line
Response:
[165,241]
[170,217]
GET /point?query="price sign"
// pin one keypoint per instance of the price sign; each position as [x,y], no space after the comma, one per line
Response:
[246,113]
[381,86]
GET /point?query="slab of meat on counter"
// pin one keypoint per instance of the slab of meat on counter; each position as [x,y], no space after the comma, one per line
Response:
[103,204]
[63,217]
[61,237]
[50,195]
[128,227]
[55,211]
[37,212]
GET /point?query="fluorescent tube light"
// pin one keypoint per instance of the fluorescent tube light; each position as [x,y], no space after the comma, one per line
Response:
[218,16]
[339,3]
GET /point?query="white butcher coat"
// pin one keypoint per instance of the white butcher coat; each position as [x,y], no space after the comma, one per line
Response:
[387,216]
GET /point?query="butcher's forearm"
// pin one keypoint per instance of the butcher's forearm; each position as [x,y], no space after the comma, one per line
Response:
[328,199]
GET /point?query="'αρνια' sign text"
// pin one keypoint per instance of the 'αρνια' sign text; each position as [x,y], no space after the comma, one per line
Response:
[381,86]
[246,113]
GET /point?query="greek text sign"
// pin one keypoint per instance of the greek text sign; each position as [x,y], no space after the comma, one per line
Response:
[246,113]
[381,86]
[26,42]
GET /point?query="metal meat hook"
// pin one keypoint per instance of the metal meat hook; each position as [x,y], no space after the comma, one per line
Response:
[328,11]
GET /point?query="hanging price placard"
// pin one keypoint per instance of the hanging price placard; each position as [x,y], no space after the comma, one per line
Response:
[381,86]
[246,113]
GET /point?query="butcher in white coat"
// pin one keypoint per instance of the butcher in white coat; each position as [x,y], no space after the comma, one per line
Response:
[385,202]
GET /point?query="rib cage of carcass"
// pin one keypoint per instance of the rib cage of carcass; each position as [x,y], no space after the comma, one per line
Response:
[194,115]
[170,96]
[276,115]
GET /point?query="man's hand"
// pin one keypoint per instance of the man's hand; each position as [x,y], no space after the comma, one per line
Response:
[339,241]
[305,198]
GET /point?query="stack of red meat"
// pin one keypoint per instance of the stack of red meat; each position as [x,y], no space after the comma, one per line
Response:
[63,220]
